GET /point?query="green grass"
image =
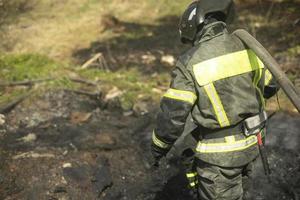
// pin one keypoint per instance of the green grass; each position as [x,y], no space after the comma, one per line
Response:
[6,98]
[131,82]
[17,67]
[22,67]
[294,51]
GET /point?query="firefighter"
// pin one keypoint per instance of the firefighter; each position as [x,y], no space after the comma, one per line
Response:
[223,86]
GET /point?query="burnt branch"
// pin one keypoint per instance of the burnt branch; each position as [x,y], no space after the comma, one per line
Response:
[24,83]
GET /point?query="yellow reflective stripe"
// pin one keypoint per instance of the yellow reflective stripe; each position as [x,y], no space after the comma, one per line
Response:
[268,77]
[255,61]
[191,175]
[230,139]
[226,147]
[181,95]
[158,142]
[257,78]
[226,66]
[193,184]
[217,105]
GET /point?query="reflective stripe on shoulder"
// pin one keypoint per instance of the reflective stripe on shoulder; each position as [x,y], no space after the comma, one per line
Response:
[159,143]
[217,105]
[227,146]
[226,66]
[181,95]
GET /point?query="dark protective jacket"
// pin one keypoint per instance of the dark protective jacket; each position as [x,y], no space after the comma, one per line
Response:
[221,83]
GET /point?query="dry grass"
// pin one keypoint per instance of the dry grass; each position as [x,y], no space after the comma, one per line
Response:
[57,28]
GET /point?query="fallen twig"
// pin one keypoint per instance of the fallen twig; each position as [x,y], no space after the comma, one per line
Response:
[33,155]
[101,62]
[95,95]
[24,83]
[88,82]
[8,107]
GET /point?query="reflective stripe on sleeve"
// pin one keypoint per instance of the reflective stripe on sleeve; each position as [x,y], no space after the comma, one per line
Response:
[217,105]
[225,66]
[193,184]
[227,146]
[159,143]
[181,95]
[191,175]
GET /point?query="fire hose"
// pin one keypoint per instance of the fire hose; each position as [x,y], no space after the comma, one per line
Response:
[272,66]
[278,75]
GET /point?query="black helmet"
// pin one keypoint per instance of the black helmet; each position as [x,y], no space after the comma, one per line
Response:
[194,16]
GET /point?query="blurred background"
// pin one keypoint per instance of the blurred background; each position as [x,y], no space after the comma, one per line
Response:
[136,39]
[80,84]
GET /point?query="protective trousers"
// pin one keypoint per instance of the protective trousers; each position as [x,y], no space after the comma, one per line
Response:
[226,183]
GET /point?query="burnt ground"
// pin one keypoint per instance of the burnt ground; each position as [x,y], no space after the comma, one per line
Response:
[59,145]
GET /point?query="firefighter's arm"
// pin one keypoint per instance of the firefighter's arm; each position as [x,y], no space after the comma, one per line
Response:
[175,107]
[271,87]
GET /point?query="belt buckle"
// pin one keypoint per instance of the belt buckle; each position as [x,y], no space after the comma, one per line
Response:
[248,132]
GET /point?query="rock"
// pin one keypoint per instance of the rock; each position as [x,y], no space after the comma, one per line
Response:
[79,175]
[113,94]
[168,59]
[2,119]
[128,113]
[105,138]
[65,152]
[140,108]
[148,58]
[31,137]
[65,165]
[2,123]
[79,117]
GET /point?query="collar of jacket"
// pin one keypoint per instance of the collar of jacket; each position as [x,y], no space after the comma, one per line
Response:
[210,31]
